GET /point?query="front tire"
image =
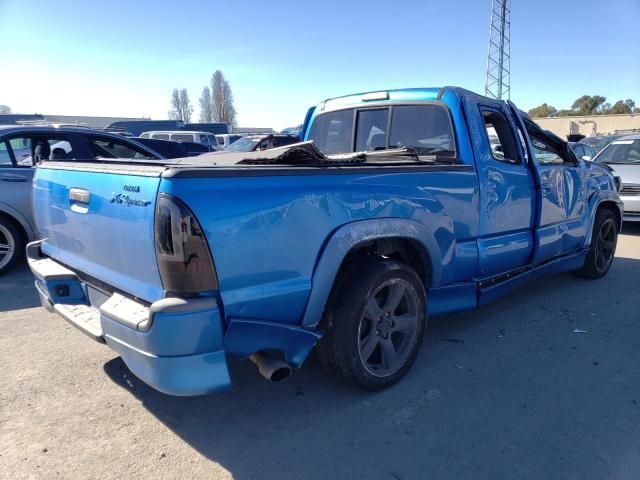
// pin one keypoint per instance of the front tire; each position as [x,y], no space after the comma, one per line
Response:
[604,240]
[375,323]
[11,245]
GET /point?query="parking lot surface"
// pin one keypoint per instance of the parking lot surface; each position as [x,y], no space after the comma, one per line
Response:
[542,384]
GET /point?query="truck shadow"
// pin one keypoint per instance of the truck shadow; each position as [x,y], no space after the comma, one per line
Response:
[17,290]
[487,384]
[631,228]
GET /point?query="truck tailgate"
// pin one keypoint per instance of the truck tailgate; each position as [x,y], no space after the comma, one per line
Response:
[99,220]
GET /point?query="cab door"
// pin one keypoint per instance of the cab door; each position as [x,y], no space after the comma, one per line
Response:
[560,177]
[507,189]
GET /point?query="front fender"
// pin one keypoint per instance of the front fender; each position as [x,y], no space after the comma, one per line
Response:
[596,199]
[354,233]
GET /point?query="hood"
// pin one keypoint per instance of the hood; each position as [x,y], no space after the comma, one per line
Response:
[628,173]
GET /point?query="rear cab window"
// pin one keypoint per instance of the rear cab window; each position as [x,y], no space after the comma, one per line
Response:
[107,148]
[425,128]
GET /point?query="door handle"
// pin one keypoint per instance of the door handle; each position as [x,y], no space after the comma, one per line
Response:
[79,195]
[12,179]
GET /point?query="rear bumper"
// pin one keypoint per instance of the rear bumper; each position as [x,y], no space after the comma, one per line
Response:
[174,345]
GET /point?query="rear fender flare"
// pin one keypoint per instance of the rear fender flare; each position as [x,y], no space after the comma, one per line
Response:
[352,234]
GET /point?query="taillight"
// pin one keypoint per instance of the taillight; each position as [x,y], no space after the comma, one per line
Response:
[185,264]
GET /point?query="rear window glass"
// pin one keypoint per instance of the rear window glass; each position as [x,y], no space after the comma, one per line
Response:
[111,149]
[425,128]
[333,132]
[371,132]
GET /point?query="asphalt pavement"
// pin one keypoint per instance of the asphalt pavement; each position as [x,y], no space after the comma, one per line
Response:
[543,384]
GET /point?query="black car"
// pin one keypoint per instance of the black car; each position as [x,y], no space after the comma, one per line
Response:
[252,143]
[22,147]
[171,149]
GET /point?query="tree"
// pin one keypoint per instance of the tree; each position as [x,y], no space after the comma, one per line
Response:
[174,113]
[4,109]
[620,107]
[543,110]
[187,109]
[181,108]
[206,106]
[222,99]
[588,105]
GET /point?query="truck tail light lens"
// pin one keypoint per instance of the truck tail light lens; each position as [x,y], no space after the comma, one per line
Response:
[184,259]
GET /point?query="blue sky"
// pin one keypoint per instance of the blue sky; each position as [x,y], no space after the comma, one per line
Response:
[122,58]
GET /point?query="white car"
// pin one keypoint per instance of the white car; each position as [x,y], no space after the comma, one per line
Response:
[623,156]
[204,138]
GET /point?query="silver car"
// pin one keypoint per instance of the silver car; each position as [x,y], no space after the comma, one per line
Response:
[623,155]
[21,147]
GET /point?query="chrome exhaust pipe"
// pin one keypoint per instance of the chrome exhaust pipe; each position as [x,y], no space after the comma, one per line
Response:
[271,368]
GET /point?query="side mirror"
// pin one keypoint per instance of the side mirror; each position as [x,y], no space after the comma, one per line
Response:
[586,158]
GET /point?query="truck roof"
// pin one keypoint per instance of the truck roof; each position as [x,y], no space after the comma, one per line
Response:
[396,95]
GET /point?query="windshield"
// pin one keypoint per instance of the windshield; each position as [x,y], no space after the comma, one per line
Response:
[598,143]
[246,144]
[621,152]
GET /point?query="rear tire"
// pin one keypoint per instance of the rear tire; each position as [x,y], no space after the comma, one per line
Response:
[11,245]
[375,323]
[603,245]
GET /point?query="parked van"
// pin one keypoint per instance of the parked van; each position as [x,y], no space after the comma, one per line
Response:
[204,138]
[226,139]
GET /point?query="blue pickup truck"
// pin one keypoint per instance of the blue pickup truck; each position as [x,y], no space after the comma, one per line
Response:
[400,205]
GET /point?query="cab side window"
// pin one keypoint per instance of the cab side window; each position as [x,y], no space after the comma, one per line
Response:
[29,150]
[546,153]
[502,141]
[5,157]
